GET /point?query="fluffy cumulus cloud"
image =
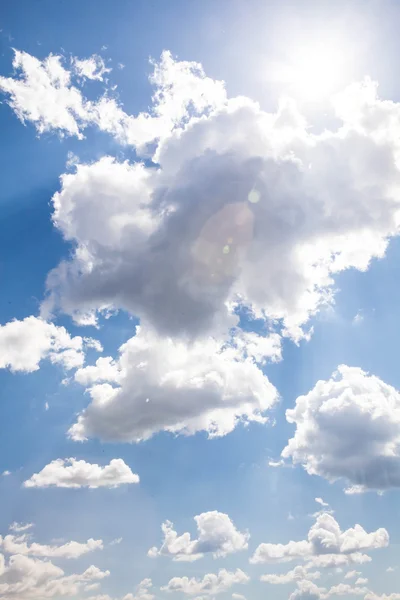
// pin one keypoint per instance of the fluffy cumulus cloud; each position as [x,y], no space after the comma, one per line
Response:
[325,540]
[348,427]
[241,205]
[237,207]
[216,534]
[160,383]
[11,544]
[72,473]
[210,585]
[24,344]
[27,578]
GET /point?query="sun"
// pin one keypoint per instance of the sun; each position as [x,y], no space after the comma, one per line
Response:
[313,71]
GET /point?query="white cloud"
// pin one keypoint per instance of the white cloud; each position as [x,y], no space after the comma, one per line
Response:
[351,574]
[231,211]
[306,590]
[91,68]
[6,473]
[72,473]
[348,427]
[19,527]
[29,579]
[216,534]
[12,544]
[210,584]
[298,573]
[116,541]
[24,344]
[329,561]
[142,592]
[373,596]
[361,581]
[161,384]
[321,502]
[238,597]
[390,569]
[325,539]
[42,94]
[345,589]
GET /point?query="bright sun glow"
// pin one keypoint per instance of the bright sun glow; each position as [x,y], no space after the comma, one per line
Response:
[316,72]
[313,71]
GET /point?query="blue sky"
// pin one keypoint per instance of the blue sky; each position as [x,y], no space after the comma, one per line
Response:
[195,401]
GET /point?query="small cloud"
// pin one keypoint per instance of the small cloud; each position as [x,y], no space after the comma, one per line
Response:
[121,66]
[46,406]
[391,569]
[290,517]
[276,463]
[116,541]
[359,318]
[321,502]
[19,527]
[5,473]
[72,160]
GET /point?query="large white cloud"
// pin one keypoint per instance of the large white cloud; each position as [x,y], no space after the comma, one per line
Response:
[210,584]
[159,383]
[216,534]
[72,473]
[348,427]
[324,539]
[29,579]
[23,344]
[243,204]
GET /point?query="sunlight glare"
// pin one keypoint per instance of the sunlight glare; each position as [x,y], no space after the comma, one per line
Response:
[315,71]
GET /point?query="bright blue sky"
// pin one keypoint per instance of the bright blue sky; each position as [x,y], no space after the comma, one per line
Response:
[184,476]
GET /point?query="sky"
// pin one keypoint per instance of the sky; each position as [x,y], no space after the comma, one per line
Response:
[199,266]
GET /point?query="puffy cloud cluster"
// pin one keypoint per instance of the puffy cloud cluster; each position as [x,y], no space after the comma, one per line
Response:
[348,427]
[24,344]
[216,534]
[164,384]
[242,204]
[72,473]
[211,584]
[27,578]
[325,541]
[237,207]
